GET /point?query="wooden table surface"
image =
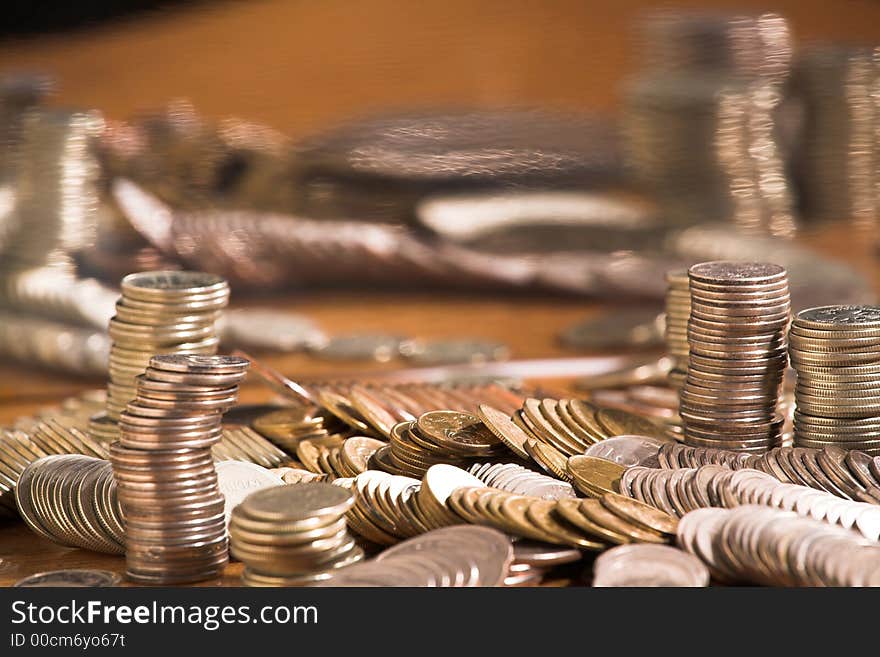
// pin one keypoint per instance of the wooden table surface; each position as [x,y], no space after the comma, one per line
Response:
[303,66]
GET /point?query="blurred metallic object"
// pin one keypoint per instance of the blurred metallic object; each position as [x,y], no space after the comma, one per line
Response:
[266,328]
[54,172]
[57,293]
[450,351]
[618,328]
[262,250]
[376,169]
[44,343]
[637,371]
[838,161]
[701,120]
[674,41]
[551,217]
[191,162]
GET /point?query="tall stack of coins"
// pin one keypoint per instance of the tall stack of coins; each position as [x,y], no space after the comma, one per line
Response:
[678,310]
[835,351]
[160,312]
[737,339]
[700,121]
[294,534]
[175,524]
[839,158]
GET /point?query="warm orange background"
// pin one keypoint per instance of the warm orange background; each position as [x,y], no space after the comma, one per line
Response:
[301,64]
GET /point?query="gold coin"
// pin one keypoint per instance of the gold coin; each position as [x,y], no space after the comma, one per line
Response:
[640,514]
[584,413]
[570,510]
[504,429]
[541,512]
[595,476]
[595,511]
[548,457]
[620,423]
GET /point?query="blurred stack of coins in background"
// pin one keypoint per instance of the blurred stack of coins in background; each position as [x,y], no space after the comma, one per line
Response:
[700,120]
[293,535]
[175,527]
[49,175]
[162,312]
[737,338]
[53,171]
[838,163]
[835,351]
[678,310]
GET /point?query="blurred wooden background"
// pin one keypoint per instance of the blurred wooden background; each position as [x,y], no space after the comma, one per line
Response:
[300,65]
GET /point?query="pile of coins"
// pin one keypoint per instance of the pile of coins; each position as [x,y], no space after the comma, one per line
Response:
[736,335]
[294,534]
[592,524]
[374,409]
[835,351]
[384,511]
[440,437]
[760,545]
[517,479]
[288,427]
[648,565]
[572,426]
[678,311]
[175,524]
[347,459]
[681,491]
[449,557]
[19,448]
[848,474]
[838,158]
[160,312]
[83,510]
[244,444]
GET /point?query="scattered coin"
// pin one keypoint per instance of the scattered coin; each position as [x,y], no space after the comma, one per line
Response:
[238,479]
[454,350]
[620,328]
[649,565]
[70,578]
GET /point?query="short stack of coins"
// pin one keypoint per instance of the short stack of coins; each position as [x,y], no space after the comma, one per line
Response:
[835,351]
[678,310]
[293,535]
[160,312]
[737,339]
[175,527]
